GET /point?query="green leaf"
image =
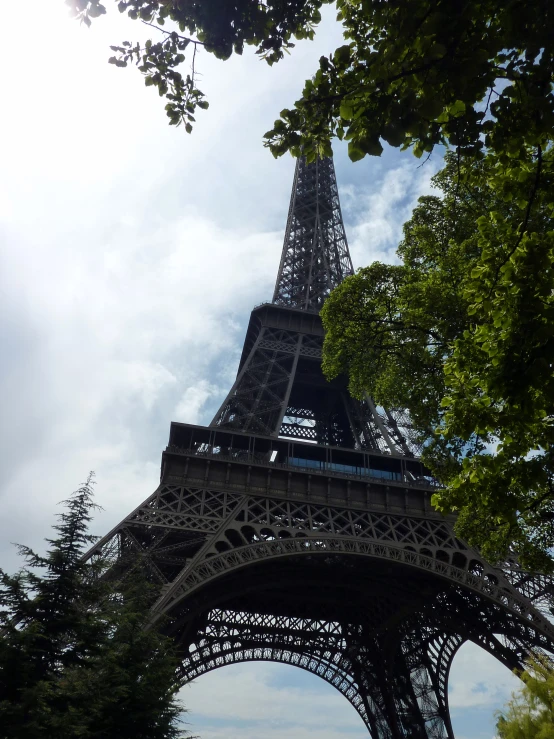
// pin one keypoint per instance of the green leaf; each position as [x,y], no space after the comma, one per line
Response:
[457,108]
[371,145]
[346,110]
[430,108]
[355,152]
[418,149]
[95,11]
[342,55]
[394,135]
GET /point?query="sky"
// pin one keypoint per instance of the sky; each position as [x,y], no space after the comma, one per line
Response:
[130,257]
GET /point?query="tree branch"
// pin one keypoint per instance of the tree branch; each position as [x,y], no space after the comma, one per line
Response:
[174,34]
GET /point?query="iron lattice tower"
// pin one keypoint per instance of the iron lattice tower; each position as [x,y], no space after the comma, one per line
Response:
[298,527]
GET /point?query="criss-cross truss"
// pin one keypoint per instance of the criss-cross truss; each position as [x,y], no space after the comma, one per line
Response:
[280,391]
[331,651]
[315,256]
[298,526]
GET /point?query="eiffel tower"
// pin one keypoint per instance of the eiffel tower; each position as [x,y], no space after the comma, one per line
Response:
[297,527]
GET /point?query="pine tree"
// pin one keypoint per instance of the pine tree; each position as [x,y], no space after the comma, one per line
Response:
[76,658]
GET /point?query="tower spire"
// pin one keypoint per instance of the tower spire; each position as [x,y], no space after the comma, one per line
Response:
[315,257]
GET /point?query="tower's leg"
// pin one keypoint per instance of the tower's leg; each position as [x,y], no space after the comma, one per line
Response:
[402,684]
[398,688]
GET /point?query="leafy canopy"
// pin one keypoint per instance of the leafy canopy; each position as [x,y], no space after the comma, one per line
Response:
[461,333]
[530,712]
[472,74]
[417,73]
[218,26]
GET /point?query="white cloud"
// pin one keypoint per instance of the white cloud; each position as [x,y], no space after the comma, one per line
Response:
[193,400]
[478,680]
[255,696]
[139,326]
[380,210]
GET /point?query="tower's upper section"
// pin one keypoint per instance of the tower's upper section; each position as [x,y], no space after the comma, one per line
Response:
[280,390]
[315,256]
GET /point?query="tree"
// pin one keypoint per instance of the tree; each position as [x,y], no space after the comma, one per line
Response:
[416,73]
[530,713]
[475,74]
[132,681]
[75,658]
[461,334]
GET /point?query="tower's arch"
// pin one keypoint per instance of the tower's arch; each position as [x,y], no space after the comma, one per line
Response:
[477,577]
[264,607]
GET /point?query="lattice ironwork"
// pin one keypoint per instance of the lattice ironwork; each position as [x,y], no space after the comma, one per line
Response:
[280,390]
[298,527]
[315,256]
[397,682]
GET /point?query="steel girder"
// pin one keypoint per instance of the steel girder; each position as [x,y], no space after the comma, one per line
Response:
[194,534]
[336,653]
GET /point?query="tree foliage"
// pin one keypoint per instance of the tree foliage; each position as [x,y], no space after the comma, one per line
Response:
[75,659]
[217,26]
[461,333]
[472,74]
[416,73]
[530,712]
